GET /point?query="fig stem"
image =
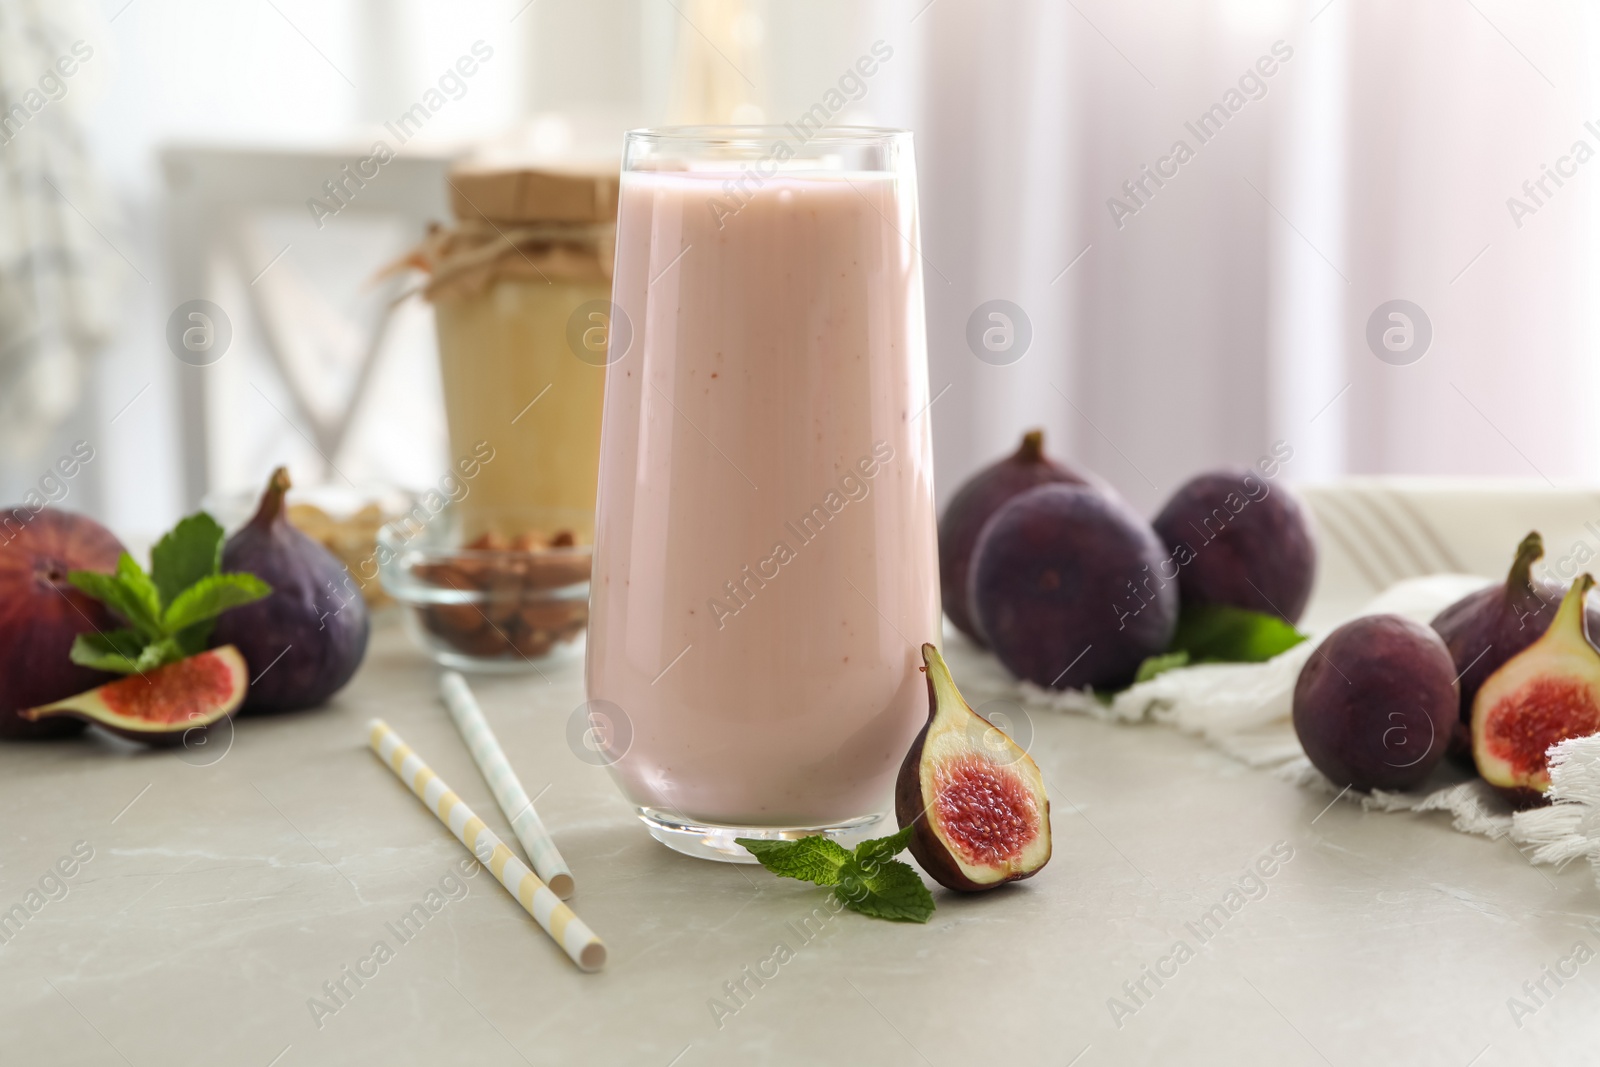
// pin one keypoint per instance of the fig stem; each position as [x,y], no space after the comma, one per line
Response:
[1032,448]
[1529,550]
[272,499]
[1571,614]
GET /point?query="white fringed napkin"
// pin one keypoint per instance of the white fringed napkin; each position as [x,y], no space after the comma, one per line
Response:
[1244,709]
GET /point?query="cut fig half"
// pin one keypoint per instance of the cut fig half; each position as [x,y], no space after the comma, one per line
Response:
[975,798]
[163,705]
[1545,694]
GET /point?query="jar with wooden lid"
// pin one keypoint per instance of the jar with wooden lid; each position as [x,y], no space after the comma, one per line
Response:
[520,286]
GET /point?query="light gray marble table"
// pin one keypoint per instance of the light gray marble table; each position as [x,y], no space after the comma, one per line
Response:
[222,894]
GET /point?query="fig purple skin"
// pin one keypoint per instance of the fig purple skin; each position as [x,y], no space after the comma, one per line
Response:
[304,640]
[1375,703]
[1064,584]
[973,505]
[1239,540]
[41,613]
[1483,630]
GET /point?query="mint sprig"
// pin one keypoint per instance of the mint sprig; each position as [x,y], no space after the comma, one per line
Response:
[1154,666]
[868,880]
[1213,633]
[169,611]
[1221,633]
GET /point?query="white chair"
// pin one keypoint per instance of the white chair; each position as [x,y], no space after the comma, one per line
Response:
[237,221]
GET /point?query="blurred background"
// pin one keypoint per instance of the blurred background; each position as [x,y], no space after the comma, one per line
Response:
[1183,307]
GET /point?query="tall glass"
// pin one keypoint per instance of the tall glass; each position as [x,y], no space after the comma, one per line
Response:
[765,560]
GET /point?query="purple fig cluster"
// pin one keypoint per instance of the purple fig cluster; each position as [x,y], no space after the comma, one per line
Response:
[1071,588]
[1497,679]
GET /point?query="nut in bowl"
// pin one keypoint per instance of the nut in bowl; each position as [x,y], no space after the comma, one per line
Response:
[499,601]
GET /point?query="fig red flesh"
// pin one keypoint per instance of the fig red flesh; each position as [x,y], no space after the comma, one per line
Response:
[179,692]
[1484,629]
[975,800]
[163,705]
[1545,694]
[986,811]
[1522,727]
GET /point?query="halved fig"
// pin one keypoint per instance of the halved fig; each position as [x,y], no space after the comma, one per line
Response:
[1546,693]
[976,799]
[160,707]
[1484,629]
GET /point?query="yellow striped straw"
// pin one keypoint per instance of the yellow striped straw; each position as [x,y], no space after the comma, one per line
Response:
[558,920]
[508,791]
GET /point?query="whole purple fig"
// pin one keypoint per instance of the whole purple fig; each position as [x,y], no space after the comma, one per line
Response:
[41,613]
[1373,707]
[1066,584]
[304,641]
[979,498]
[1483,630]
[1237,540]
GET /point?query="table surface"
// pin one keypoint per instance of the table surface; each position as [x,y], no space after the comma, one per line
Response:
[228,884]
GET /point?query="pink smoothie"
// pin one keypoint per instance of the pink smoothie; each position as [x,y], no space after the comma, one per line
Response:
[765,559]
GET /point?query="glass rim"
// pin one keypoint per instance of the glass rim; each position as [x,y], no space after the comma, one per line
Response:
[762,135]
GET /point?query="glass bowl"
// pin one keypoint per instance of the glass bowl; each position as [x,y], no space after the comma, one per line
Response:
[494,603]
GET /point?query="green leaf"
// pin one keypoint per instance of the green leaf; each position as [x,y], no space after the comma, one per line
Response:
[190,551]
[159,654]
[123,652]
[103,587]
[209,597]
[868,881]
[815,859]
[891,890]
[1158,665]
[129,593]
[1222,633]
[116,651]
[139,586]
[170,610]
[881,849]
[192,640]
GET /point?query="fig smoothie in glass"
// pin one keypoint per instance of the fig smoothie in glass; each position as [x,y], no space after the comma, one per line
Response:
[765,558]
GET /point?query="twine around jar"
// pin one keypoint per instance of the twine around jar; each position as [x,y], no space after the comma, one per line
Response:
[466,259]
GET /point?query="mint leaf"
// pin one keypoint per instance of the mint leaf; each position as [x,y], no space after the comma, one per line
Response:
[1158,665]
[157,654]
[146,602]
[170,613]
[880,849]
[892,890]
[103,587]
[123,651]
[209,597]
[116,651]
[128,592]
[190,551]
[814,859]
[868,881]
[1223,633]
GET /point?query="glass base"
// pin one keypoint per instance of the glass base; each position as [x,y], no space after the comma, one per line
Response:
[708,841]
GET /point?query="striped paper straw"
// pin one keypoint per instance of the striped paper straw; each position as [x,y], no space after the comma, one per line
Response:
[508,791]
[558,920]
